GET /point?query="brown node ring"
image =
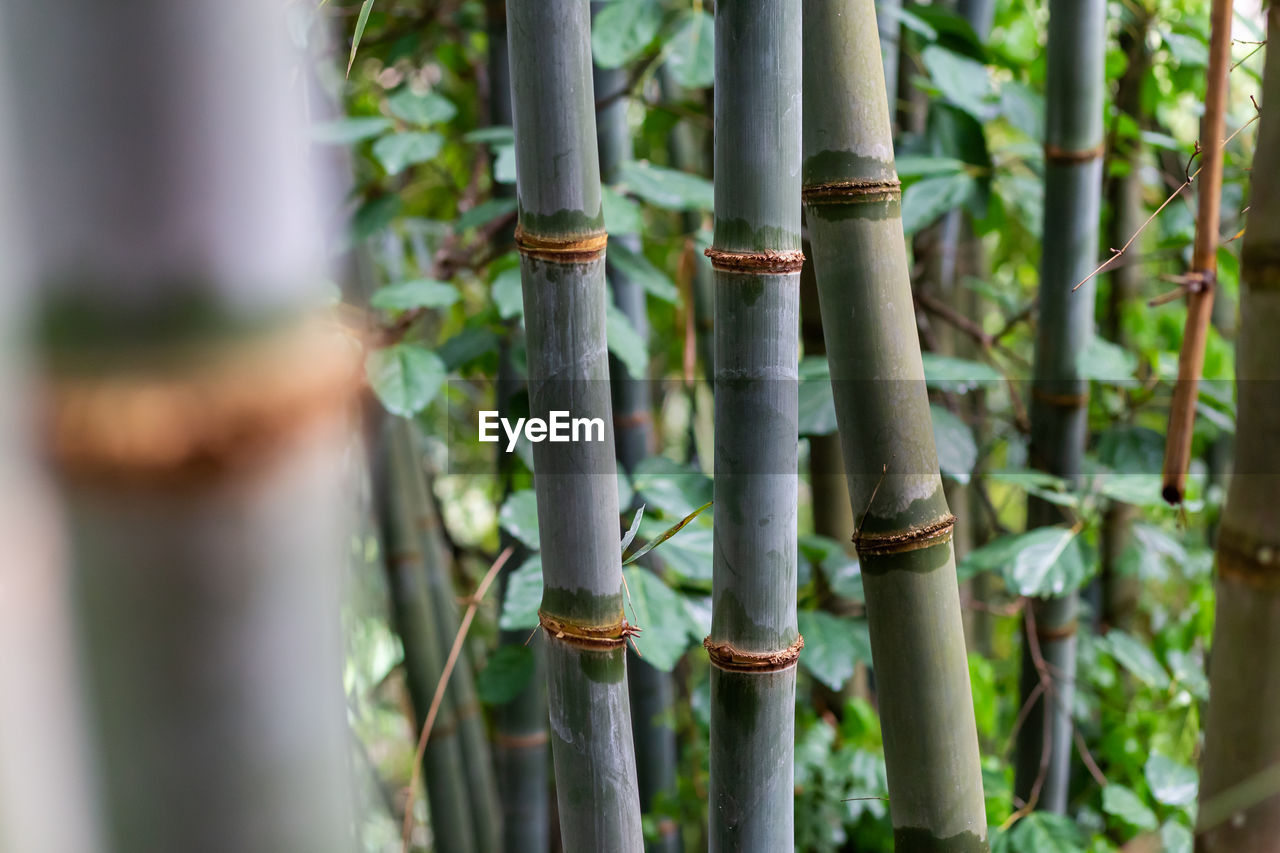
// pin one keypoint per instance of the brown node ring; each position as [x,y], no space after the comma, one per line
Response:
[595,637]
[730,658]
[853,192]
[912,539]
[1062,632]
[759,263]
[1055,154]
[160,424]
[1245,560]
[561,249]
[1060,401]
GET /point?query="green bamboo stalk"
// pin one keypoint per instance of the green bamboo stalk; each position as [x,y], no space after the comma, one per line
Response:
[194,428]
[477,760]
[754,640]
[1119,592]
[1239,803]
[980,14]
[520,725]
[416,621]
[561,239]
[652,692]
[904,526]
[1059,404]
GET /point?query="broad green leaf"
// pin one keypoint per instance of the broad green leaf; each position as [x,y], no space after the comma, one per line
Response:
[1119,801]
[957,375]
[927,199]
[508,294]
[622,30]
[1043,561]
[625,343]
[621,214]
[691,51]
[1045,486]
[1136,489]
[670,487]
[668,188]
[1176,838]
[1103,361]
[504,164]
[406,377]
[1023,107]
[421,109]
[362,21]
[375,215]
[1171,783]
[688,555]
[1041,832]
[842,571]
[523,597]
[963,82]
[348,131]
[418,293]
[920,165]
[833,646]
[496,135]
[817,403]
[484,213]
[1135,657]
[519,517]
[957,449]
[1189,51]
[508,671]
[398,151]
[655,608]
[636,268]
[1131,450]
[468,345]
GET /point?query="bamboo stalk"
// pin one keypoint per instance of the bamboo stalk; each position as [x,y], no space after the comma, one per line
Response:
[652,693]
[1059,405]
[852,201]
[1203,276]
[561,240]
[754,642]
[416,621]
[193,424]
[1239,804]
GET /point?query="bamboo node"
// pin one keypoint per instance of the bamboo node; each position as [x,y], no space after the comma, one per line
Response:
[853,191]
[1060,401]
[173,420]
[1062,632]
[1056,154]
[1243,559]
[564,250]
[911,539]
[597,637]
[526,741]
[730,658]
[759,263]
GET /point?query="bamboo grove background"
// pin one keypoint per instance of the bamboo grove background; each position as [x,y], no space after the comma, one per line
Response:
[903,375]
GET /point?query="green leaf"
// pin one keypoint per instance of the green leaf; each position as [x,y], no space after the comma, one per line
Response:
[625,342]
[622,30]
[691,51]
[636,268]
[920,165]
[348,131]
[1103,361]
[418,293]
[1176,838]
[1131,450]
[817,404]
[1119,801]
[667,534]
[484,213]
[621,214]
[957,449]
[519,517]
[668,188]
[504,164]
[957,375]
[362,21]
[670,487]
[927,199]
[374,215]
[655,608]
[468,345]
[1171,783]
[406,377]
[963,82]
[833,646]
[507,673]
[688,555]
[508,294]
[1135,657]
[1023,107]
[523,596]
[421,109]
[498,134]
[843,573]
[1041,832]
[1039,562]
[397,151]
[630,535]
